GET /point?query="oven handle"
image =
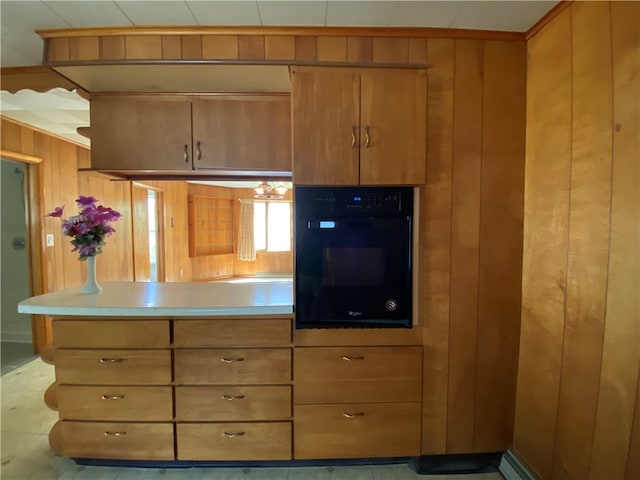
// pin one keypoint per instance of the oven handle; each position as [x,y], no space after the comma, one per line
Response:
[370,223]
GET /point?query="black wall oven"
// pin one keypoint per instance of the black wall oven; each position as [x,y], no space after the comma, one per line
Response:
[353,256]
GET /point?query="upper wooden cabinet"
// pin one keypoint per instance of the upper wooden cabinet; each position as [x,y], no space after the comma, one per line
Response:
[363,127]
[249,132]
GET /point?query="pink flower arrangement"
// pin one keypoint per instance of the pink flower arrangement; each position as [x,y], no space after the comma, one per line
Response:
[89,228]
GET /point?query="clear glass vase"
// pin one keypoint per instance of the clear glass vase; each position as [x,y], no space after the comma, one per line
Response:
[91,285]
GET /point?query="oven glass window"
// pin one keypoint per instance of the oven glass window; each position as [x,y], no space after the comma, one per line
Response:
[350,266]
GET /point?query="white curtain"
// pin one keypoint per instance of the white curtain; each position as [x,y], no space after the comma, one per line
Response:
[246,244]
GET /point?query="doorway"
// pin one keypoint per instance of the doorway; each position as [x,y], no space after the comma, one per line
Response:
[15,328]
[147,208]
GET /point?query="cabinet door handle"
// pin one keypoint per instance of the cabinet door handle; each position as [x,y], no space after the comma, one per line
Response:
[114,434]
[112,397]
[186,153]
[231,360]
[233,434]
[232,397]
[353,415]
[198,151]
[351,358]
[112,360]
[367,138]
[354,138]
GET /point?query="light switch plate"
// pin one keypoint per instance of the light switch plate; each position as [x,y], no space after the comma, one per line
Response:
[49,239]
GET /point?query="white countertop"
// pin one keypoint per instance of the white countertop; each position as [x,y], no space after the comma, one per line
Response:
[167,299]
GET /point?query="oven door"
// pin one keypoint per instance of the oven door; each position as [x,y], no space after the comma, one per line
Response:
[353,272]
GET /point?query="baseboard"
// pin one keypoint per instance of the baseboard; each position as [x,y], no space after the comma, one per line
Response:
[513,468]
[15,337]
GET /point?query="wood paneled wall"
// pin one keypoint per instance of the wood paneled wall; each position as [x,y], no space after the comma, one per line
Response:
[60,184]
[471,243]
[578,408]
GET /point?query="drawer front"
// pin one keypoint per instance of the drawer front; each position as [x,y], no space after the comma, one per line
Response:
[233,403]
[234,441]
[111,333]
[122,441]
[113,367]
[117,403]
[357,374]
[241,332]
[357,430]
[233,366]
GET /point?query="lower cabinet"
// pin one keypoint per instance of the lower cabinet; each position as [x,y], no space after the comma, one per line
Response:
[234,441]
[125,441]
[229,390]
[357,430]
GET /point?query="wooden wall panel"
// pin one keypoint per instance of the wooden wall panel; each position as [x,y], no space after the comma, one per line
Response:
[391,50]
[621,349]
[360,49]
[191,47]
[112,48]
[251,47]
[546,223]
[172,47]
[220,47]
[331,49]
[306,49]
[280,47]
[465,243]
[588,239]
[435,241]
[84,48]
[597,430]
[143,46]
[501,212]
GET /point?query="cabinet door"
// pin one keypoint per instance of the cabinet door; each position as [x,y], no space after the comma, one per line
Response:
[394,127]
[246,133]
[140,133]
[325,115]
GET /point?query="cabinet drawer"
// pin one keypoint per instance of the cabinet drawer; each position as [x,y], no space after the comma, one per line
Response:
[242,332]
[357,430]
[233,403]
[111,333]
[122,441]
[357,374]
[115,403]
[223,366]
[113,367]
[234,441]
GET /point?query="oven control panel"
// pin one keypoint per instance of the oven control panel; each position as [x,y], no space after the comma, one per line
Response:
[354,200]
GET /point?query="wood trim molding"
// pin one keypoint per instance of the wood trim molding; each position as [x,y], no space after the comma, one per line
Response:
[20,157]
[412,32]
[551,14]
[36,78]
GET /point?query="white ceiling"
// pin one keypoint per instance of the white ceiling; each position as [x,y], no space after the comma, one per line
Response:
[61,112]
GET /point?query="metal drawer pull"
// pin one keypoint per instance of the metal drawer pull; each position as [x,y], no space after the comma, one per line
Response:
[112,360]
[186,154]
[353,415]
[350,358]
[112,397]
[366,135]
[232,397]
[114,434]
[233,434]
[198,151]
[231,360]
[353,136]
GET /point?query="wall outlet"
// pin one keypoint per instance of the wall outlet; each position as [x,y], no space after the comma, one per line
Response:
[49,239]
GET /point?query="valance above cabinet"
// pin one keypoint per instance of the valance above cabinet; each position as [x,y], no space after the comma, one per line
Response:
[164,133]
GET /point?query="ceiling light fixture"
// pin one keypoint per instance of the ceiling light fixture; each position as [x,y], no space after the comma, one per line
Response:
[269,192]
